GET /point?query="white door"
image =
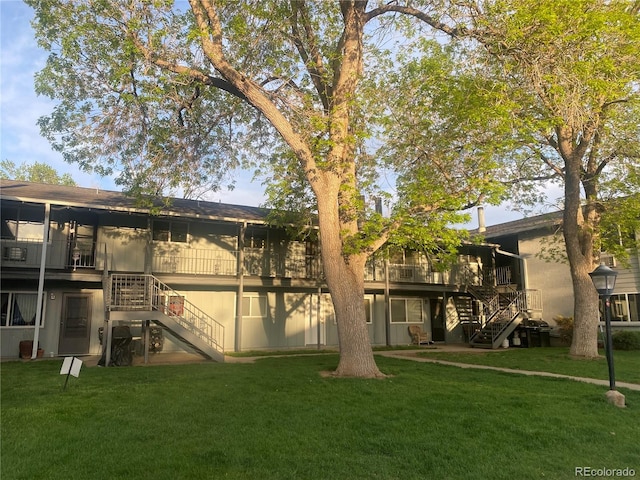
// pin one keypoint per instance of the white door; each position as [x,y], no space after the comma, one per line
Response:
[315,319]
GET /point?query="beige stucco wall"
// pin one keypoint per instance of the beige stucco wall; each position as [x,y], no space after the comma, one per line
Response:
[552,278]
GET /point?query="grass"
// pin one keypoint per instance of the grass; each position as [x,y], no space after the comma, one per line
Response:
[554,359]
[279,353]
[280,419]
[307,351]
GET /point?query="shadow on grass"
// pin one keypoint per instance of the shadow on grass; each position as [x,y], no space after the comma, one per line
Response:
[279,419]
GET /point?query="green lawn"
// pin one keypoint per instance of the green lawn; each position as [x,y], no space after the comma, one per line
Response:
[280,419]
[555,360]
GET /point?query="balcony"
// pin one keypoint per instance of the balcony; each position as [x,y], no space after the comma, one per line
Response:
[60,254]
[409,273]
[257,262]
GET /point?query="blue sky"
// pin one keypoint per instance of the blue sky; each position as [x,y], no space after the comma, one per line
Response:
[20,108]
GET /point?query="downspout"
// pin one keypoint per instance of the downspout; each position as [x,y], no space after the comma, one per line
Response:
[148,253]
[240,274]
[43,264]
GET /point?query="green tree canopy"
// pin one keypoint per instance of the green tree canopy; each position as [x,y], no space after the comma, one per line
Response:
[35,172]
[561,87]
[174,96]
[431,106]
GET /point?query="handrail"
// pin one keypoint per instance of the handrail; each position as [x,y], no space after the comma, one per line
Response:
[502,314]
[187,315]
[146,293]
[60,254]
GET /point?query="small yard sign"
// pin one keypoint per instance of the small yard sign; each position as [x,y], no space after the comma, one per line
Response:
[70,366]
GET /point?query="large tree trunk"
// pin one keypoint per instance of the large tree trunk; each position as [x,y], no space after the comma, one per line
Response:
[578,232]
[346,283]
[344,272]
[345,278]
[586,315]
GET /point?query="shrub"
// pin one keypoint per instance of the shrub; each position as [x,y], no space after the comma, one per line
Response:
[564,327]
[626,340]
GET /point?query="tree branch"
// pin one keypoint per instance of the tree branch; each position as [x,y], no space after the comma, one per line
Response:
[420,15]
[211,39]
[558,171]
[315,67]
[191,72]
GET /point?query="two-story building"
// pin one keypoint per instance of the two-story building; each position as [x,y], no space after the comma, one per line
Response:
[213,277]
[534,239]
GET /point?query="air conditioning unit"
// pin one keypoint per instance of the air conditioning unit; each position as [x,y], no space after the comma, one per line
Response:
[14,254]
[608,259]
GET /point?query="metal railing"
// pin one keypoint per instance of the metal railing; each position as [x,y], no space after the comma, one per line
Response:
[196,261]
[146,293]
[407,273]
[501,309]
[61,254]
[503,276]
[257,262]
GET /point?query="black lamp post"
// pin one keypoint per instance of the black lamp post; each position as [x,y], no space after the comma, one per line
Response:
[604,280]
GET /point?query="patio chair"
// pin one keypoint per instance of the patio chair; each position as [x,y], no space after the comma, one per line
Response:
[418,337]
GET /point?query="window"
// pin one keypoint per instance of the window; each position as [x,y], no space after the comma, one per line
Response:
[169,231]
[327,305]
[254,306]
[15,254]
[625,307]
[19,309]
[24,223]
[406,310]
[367,310]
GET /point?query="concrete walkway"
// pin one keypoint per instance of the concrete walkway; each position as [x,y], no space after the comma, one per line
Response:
[412,355]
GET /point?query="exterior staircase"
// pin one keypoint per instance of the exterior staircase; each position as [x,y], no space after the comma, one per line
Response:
[144,297]
[498,316]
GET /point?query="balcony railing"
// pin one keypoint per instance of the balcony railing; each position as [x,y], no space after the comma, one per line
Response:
[503,276]
[61,254]
[196,261]
[410,273]
[257,262]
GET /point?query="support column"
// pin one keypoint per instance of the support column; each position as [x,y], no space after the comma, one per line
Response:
[106,296]
[319,317]
[387,303]
[146,339]
[240,275]
[43,266]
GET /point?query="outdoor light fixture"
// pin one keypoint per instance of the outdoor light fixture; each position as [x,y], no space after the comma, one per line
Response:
[604,280]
